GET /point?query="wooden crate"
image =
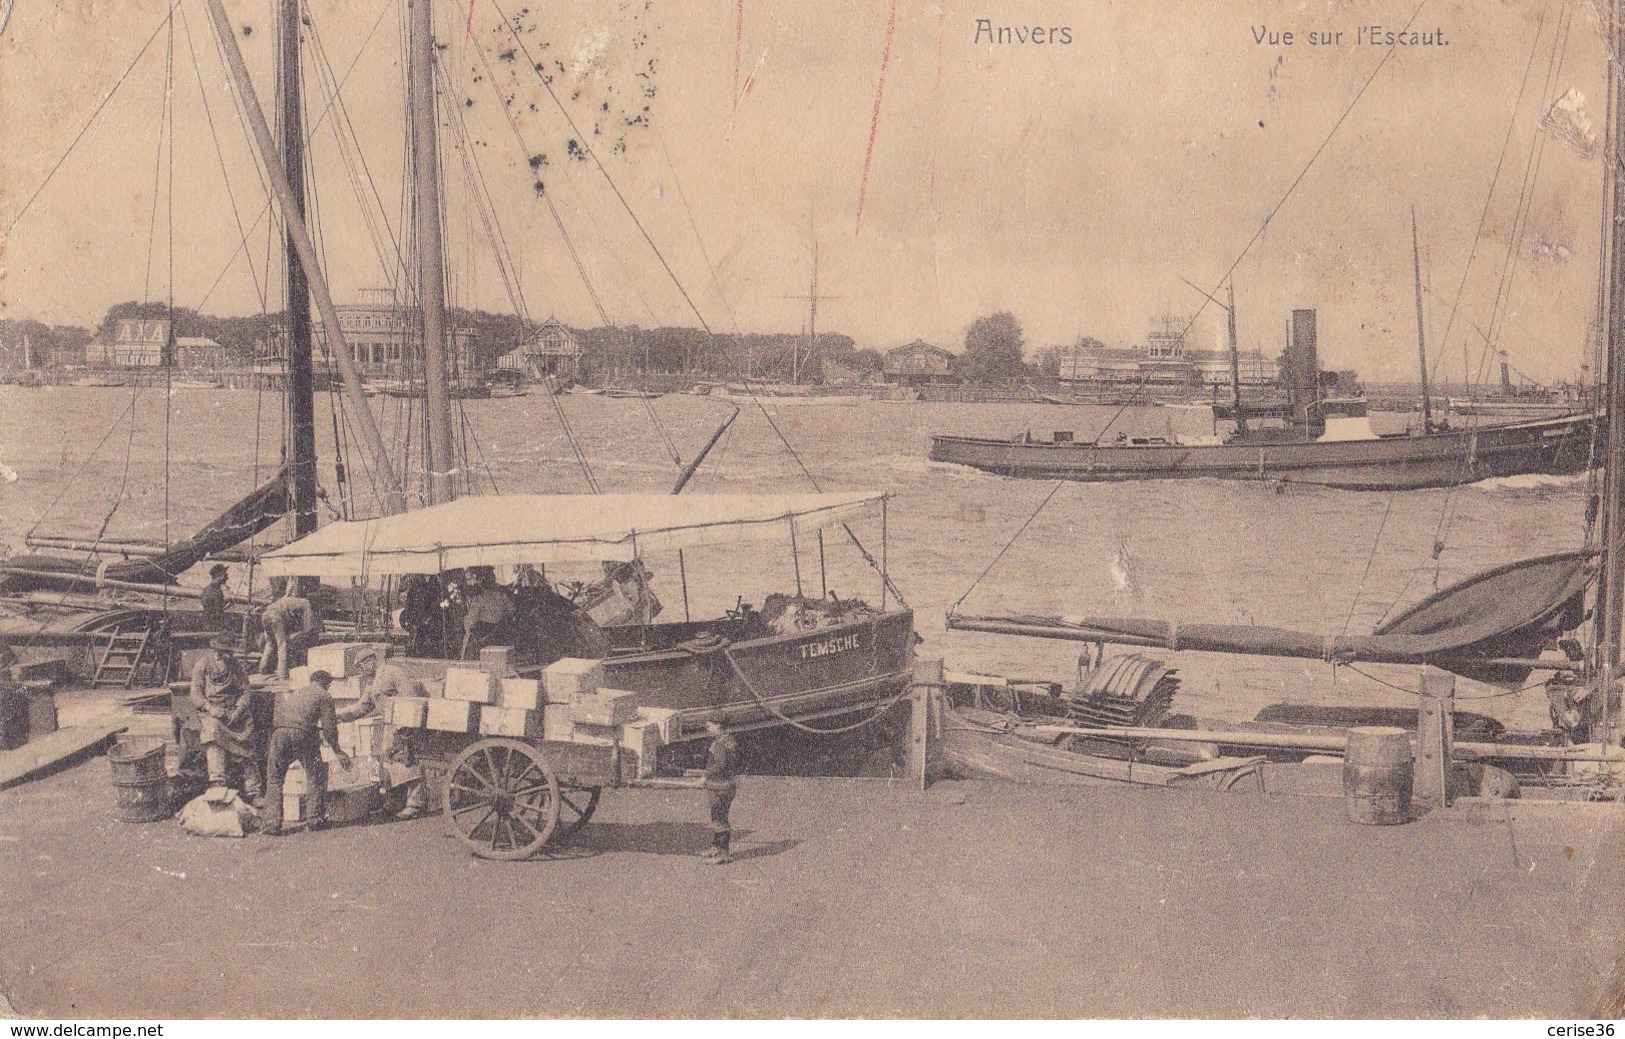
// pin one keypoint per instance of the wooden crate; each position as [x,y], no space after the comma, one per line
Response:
[523,694]
[669,720]
[605,707]
[564,680]
[642,738]
[595,735]
[498,660]
[453,716]
[510,721]
[408,712]
[556,721]
[471,685]
[339,659]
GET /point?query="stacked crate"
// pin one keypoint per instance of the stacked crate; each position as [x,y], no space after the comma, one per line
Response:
[581,709]
[568,703]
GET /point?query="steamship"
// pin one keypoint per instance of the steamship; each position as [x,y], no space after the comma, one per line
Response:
[1323,441]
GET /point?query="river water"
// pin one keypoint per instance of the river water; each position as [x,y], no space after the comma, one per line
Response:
[1191,550]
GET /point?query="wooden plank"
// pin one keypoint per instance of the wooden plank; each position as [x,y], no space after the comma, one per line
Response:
[1329,744]
[40,757]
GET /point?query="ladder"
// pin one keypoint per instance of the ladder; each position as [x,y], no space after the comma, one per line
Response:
[123,656]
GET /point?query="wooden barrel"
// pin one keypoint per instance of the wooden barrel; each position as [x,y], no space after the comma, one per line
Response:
[1377,775]
[140,780]
[147,803]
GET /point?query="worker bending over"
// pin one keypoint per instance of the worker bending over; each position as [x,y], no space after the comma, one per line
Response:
[304,719]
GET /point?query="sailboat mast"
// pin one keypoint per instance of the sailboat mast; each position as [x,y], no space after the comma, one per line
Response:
[301,401]
[811,314]
[431,285]
[1611,582]
[393,499]
[1421,341]
[1235,362]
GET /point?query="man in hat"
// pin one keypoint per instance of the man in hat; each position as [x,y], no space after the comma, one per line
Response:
[226,728]
[213,598]
[378,683]
[289,623]
[721,784]
[488,610]
[303,720]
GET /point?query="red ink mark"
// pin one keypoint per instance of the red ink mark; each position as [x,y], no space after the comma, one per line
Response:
[468,29]
[874,115]
[739,38]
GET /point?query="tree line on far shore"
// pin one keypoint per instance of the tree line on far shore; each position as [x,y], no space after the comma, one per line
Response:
[992,348]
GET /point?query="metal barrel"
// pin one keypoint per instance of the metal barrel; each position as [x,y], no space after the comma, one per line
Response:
[140,780]
[1377,775]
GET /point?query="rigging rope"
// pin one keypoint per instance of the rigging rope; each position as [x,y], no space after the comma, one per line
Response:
[242,123]
[1305,171]
[1448,508]
[1376,543]
[1013,539]
[157,171]
[1495,178]
[1291,188]
[583,142]
[354,158]
[763,702]
[231,196]
[1446,511]
[874,564]
[139,54]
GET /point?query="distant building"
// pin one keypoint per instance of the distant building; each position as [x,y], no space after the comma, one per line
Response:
[63,353]
[553,352]
[145,343]
[1163,361]
[199,352]
[383,339]
[917,364]
[134,343]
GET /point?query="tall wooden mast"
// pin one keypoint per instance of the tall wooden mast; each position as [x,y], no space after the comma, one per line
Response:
[237,70]
[1421,341]
[1235,361]
[1611,582]
[431,278]
[300,370]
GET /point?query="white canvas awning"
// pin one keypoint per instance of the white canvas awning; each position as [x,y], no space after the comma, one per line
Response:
[508,529]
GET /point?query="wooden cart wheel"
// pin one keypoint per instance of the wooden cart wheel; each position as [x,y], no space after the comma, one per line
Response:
[502,799]
[576,805]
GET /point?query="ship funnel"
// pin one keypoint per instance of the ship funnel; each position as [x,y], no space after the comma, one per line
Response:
[1300,370]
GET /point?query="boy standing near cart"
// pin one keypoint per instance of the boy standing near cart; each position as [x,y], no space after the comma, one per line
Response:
[721,783]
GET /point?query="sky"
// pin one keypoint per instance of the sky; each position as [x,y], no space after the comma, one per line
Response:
[942,177]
